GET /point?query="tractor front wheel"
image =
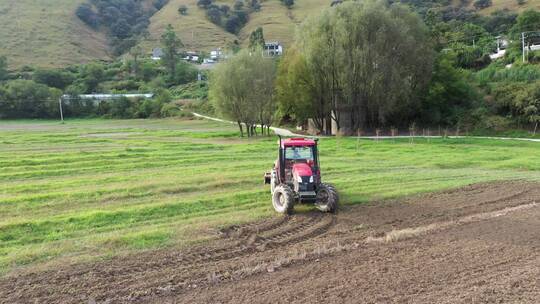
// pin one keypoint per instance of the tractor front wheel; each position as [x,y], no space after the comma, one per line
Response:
[283,199]
[327,198]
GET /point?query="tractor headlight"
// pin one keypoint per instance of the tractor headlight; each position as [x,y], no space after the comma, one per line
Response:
[299,179]
[311,179]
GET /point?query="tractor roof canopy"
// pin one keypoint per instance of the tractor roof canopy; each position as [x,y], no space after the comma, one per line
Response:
[298,142]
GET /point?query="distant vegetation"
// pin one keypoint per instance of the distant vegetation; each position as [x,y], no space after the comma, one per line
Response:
[34,93]
[232,20]
[328,73]
[125,20]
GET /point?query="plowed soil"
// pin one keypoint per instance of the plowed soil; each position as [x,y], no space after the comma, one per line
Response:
[477,244]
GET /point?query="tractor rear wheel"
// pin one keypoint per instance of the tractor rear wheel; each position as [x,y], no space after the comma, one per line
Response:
[327,198]
[283,199]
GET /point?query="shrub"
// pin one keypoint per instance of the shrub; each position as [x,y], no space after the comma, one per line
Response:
[204,3]
[159,4]
[170,110]
[28,99]
[53,78]
[238,5]
[182,10]
[214,15]
[288,3]
[87,15]
[481,4]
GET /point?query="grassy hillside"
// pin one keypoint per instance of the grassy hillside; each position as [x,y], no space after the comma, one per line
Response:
[510,5]
[196,32]
[99,188]
[47,33]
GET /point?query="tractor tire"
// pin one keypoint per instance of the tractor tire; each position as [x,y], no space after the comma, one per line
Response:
[327,198]
[283,199]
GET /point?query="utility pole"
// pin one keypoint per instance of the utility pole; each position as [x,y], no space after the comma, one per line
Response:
[61,111]
[523,45]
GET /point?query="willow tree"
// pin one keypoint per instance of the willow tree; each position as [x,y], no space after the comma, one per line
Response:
[299,92]
[367,59]
[242,89]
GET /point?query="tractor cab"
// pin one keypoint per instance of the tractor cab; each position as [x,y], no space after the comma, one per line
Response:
[297,159]
[296,176]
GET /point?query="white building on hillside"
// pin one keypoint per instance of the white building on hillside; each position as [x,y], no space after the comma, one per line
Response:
[217,54]
[502,44]
[157,53]
[273,48]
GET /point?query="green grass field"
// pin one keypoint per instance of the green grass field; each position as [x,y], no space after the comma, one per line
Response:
[98,188]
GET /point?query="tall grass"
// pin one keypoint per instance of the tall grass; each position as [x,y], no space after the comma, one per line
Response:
[517,73]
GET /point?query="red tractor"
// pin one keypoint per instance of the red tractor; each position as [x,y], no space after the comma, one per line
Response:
[296,177]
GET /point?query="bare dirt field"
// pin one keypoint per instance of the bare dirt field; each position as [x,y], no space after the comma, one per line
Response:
[477,244]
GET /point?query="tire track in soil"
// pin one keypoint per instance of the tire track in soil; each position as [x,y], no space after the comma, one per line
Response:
[315,226]
[218,267]
[192,269]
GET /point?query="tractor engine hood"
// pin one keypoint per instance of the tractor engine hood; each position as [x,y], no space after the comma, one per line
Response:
[302,170]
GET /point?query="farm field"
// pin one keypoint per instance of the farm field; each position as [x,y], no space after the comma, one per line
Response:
[90,191]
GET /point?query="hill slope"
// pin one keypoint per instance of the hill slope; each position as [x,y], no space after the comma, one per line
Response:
[47,33]
[510,5]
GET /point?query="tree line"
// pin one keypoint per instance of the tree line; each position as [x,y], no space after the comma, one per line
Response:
[35,93]
[368,65]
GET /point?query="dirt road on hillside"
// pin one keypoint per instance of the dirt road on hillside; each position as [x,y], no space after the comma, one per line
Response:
[477,244]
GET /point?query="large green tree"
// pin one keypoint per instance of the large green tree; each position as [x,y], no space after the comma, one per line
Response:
[242,88]
[367,61]
[527,21]
[27,99]
[171,50]
[256,39]
[298,91]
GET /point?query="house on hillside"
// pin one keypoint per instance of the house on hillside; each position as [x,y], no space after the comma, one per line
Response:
[157,53]
[502,44]
[533,43]
[273,48]
[191,56]
[217,54]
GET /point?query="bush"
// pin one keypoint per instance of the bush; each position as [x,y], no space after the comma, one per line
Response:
[449,96]
[54,78]
[87,15]
[288,3]
[121,108]
[481,4]
[184,73]
[182,10]
[170,110]
[204,3]
[214,15]
[194,90]
[238,5]
[159,4]
[28,99]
